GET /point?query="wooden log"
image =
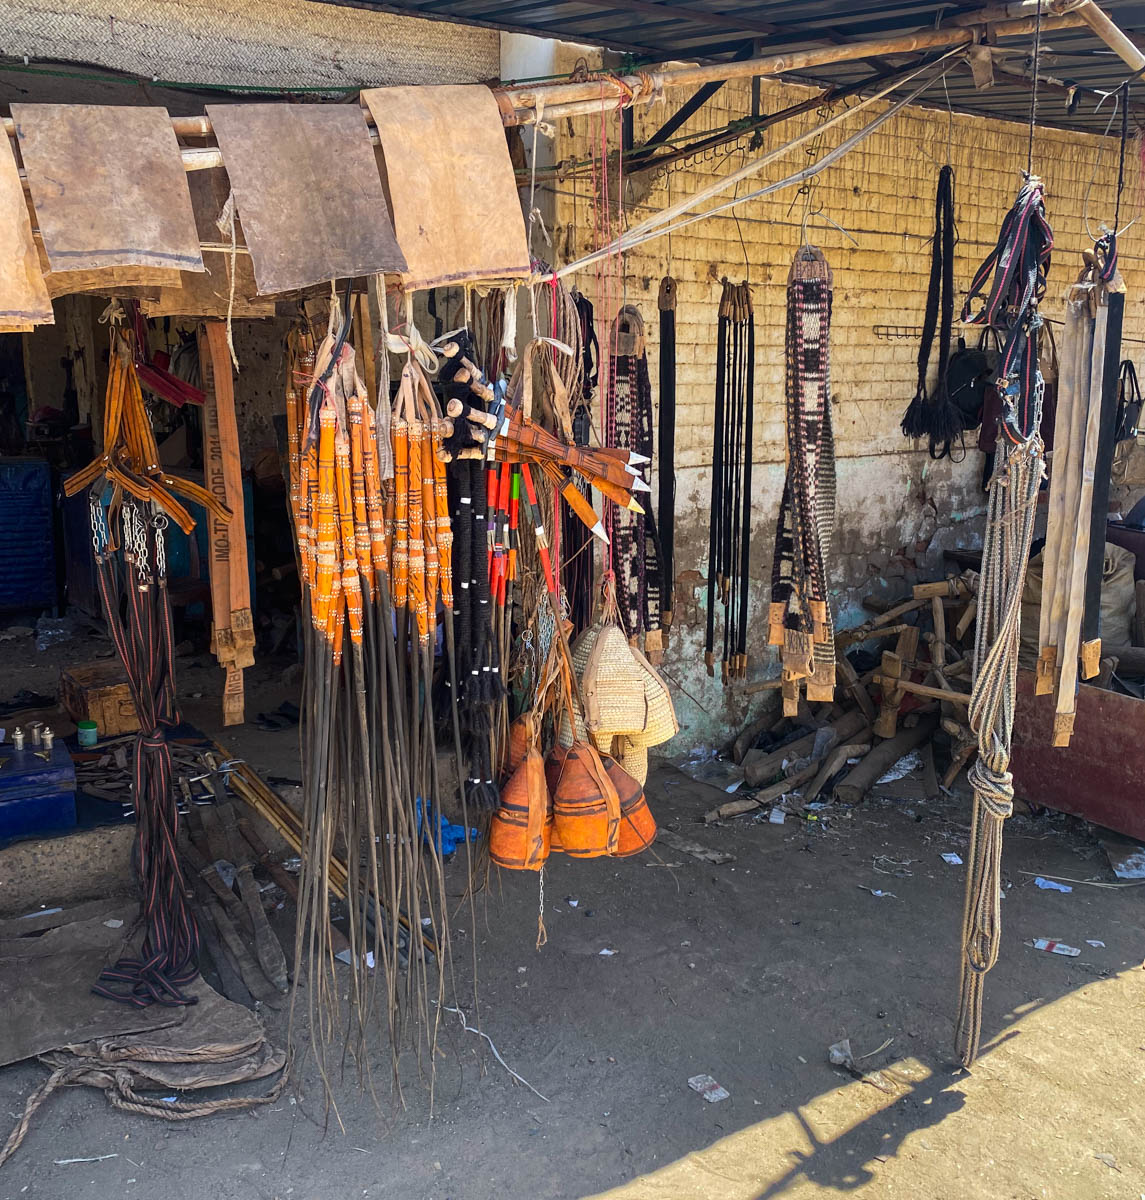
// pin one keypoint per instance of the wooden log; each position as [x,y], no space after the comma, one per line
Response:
[736,808]
[954,586]
[889,614]
[884,756]
[961,757]
[888,680]
[938,645]
[893,681]
[965,621]
[865,633]
[855,689]
[763,685]
[750,732]
[760,768]
[832,764]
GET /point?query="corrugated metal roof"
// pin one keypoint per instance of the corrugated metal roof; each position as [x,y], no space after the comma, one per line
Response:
[662,30]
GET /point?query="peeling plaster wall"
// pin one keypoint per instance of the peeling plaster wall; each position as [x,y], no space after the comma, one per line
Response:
[897,509]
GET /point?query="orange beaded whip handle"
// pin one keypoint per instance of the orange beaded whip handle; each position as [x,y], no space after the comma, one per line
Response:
[444,525]
[375,505]
[401,547]
[429,521]
[430,416]
[417,563]
[344,496]
[336,624]
[363,549]
[327,550]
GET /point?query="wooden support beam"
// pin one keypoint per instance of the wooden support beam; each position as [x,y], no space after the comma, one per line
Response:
[855,689]
[687,110]
[888,680]
[1111,34]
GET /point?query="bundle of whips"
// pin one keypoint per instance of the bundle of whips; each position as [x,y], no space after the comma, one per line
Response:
[632,530]
[137,608]
[576,563]
[476,689]
[666,453]
[368,758]
[729,542]
[1079,488]
[933,414]
[799,620]
[1020,262]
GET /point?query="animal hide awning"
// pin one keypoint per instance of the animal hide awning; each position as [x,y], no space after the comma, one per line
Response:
[108,187]
[211,294]
[23,295]
[451,184]
[307,188]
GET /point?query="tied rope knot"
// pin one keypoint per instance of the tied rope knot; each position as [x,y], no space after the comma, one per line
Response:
[153,740]
[995,789]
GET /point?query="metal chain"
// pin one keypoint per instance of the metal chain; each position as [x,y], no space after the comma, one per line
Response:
[159,524]
[542,933]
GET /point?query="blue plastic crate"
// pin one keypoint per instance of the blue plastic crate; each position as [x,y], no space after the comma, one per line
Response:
[29,576]
[36,796]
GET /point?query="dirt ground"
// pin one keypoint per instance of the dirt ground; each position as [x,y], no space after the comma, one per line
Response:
[746,971]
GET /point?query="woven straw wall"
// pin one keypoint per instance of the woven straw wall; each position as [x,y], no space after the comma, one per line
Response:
[270,43]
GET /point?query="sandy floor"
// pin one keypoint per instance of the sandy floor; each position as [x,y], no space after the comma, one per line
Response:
[746,971]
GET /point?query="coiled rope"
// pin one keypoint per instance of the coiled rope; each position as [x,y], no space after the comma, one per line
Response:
[1019,262]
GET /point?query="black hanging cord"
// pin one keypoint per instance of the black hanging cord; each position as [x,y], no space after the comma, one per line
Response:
[666,462]
[730,520]
[936,416]
[1034,88]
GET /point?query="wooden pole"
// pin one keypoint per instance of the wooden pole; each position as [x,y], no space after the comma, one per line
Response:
[572,99]
[523,104]
[1110,34]
[884,756]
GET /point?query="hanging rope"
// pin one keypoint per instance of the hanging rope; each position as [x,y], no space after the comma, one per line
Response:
[1021,259]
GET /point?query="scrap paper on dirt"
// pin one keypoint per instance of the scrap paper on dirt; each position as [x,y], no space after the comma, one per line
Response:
[457,215]
[108,187]
[308,192]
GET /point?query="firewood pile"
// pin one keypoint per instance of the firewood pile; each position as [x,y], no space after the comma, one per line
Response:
[915,694]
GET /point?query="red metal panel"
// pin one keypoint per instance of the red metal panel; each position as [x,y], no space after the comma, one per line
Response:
[1101,774]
